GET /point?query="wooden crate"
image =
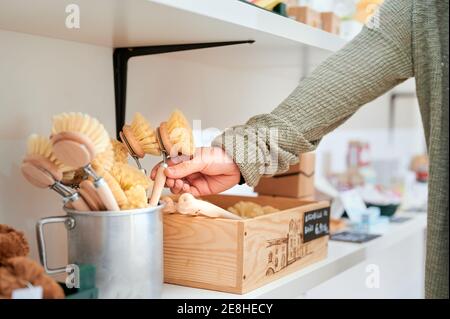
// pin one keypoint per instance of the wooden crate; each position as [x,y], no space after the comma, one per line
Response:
[306,15]
[297,182]
[238,256]
[330,22]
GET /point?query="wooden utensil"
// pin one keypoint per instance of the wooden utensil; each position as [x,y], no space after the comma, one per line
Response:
[89,193]
[77,150]
[189,205]
[160,179]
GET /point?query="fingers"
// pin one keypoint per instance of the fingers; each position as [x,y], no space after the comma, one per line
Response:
[170,162]
[177,187]
[154,170]
[170,182]
[184,169]
[180,186]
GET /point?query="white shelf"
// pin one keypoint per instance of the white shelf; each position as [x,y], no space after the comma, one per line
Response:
[341,257]
[120,23]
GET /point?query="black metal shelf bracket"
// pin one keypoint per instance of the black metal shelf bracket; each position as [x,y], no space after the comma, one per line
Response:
[120,65]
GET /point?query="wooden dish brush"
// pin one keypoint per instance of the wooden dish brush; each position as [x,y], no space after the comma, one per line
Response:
[76,139]
[139,138]
[42,169]
[175,139]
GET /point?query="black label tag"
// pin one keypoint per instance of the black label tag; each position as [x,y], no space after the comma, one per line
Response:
[316,224]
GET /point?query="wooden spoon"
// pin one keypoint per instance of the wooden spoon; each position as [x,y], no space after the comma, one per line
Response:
[189,205]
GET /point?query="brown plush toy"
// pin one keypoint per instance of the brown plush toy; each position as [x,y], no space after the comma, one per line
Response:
[18,271]
[12,243]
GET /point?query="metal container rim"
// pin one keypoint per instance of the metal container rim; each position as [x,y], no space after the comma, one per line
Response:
[120,213]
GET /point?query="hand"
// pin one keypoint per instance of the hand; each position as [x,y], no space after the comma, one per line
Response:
[211,171]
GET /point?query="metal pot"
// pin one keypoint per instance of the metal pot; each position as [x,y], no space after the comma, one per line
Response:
[125,247]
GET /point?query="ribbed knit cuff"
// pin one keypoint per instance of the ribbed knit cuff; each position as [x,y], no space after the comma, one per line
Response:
[251,158]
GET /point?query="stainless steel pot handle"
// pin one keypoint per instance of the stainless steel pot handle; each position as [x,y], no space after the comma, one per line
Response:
[69,222]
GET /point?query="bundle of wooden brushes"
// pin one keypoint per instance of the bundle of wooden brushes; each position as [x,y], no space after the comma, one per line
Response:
[90,170]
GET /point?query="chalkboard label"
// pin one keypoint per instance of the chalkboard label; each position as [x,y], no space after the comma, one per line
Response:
[316,224]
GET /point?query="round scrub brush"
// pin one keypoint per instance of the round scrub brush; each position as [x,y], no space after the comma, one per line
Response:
[120,151]
[180,135]
[42,169]
[145,135]
[139,139]
[77,139]
[175,138]
[102,162]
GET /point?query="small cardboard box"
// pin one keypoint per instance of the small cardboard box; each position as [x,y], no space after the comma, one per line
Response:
[297,182]
[306,15]
[330,22]
[238,256]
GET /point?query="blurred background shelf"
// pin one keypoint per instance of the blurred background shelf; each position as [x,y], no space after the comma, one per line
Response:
[118,23]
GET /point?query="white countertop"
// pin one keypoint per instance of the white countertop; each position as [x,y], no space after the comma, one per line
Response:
[341,256]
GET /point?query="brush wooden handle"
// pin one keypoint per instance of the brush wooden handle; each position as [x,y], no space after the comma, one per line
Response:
[79,204]
[188,204]
[89,194]
[105,194]
[158,186]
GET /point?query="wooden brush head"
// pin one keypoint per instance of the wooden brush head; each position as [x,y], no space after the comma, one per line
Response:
[73,148]
[130,142]
[40,171]
[165,142]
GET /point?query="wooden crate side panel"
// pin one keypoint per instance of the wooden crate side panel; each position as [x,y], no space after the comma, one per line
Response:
[273,246]
[201,252]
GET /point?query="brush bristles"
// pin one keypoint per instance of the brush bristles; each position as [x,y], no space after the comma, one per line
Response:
[249,209]
[116,190]
[40,145]
[145,135]
[84,124]
[180,133]
[137,197]
[104,160]
[120,151]
[128,176]
[68,177]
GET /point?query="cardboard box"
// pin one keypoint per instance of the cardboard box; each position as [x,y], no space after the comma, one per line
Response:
[297,182]
[330,22]
[238,256]
[306,15]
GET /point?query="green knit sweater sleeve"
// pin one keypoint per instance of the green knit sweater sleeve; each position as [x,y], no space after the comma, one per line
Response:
[372,63]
